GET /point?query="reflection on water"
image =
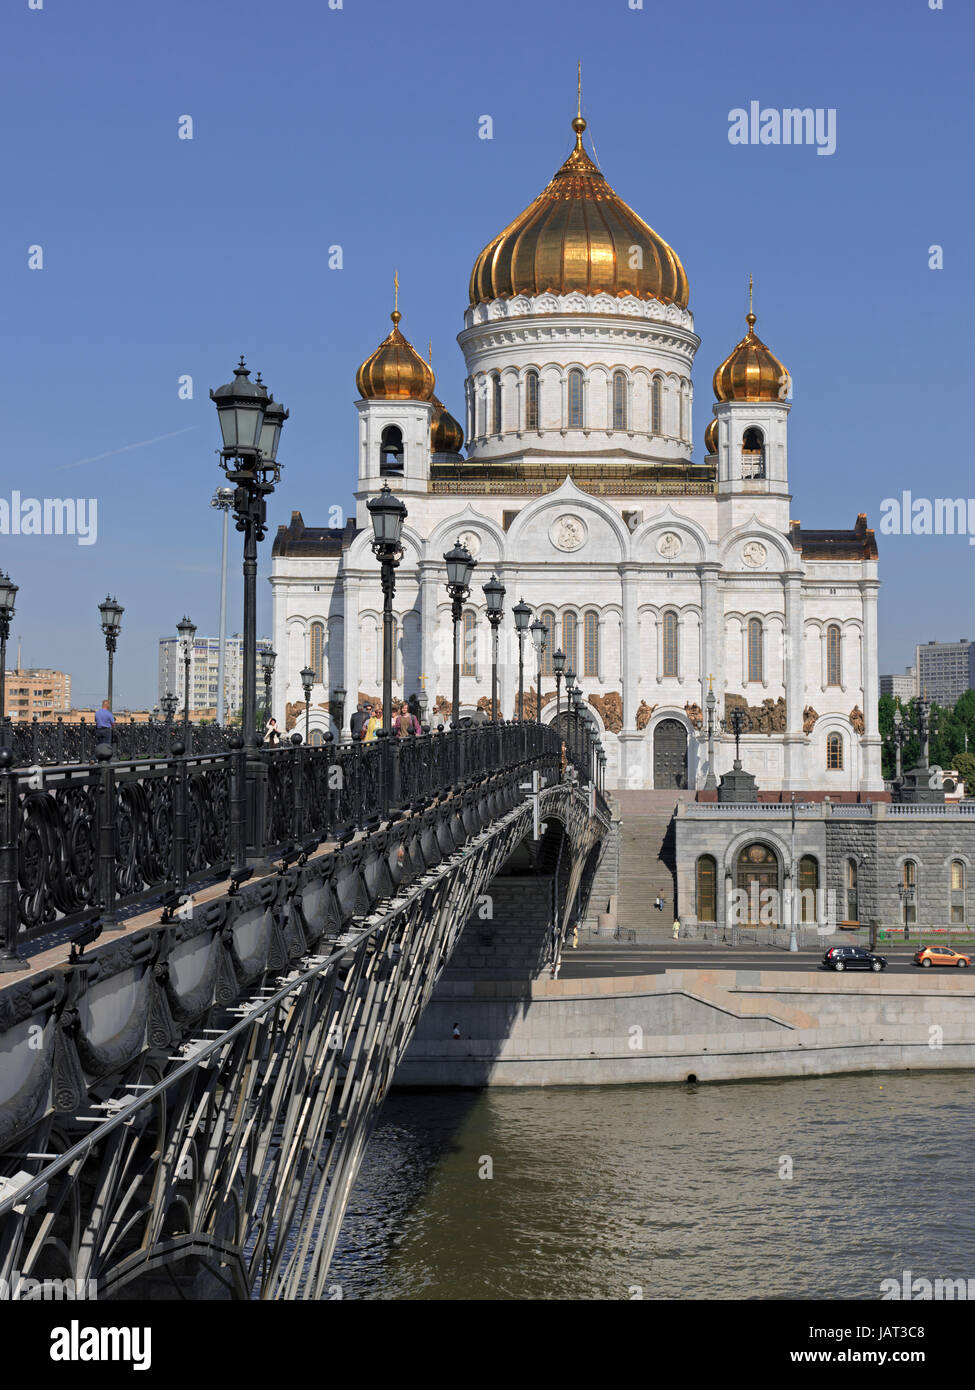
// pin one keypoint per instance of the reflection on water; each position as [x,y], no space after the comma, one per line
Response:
[676,1191]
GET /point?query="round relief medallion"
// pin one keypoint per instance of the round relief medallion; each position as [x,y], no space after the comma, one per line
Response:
[568,533]
[670,545]
[471,540]
[753,553]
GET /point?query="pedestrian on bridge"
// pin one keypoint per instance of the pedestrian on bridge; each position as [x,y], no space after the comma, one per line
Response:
[358,721]
[406,723]
[105,723]
[372,726]
[676,928]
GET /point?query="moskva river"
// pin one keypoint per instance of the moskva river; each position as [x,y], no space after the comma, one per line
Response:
[792,1189]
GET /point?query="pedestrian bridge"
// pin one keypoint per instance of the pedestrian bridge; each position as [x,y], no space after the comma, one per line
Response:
[229,954]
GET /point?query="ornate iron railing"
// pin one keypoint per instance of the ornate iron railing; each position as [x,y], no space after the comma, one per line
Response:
[38,744]
[86,841]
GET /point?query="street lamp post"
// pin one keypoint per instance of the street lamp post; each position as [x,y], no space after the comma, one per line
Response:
[710,702]
[338,709]
[558,666]
[223,500]
[111,611]
[539,634]
[250,422]
[8,594]
[460,571]
[187,631]
[494,592]
[307,681]
[388,514]
[268,658]
[522,615]
[169,703]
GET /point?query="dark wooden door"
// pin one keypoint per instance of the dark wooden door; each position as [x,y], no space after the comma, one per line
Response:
[670,754]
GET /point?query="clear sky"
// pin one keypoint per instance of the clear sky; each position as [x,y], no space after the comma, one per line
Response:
[358,127]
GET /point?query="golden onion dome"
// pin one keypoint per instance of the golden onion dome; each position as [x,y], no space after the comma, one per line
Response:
[446,435]
[711,438]
[395,371]
[578,235]
[751,371]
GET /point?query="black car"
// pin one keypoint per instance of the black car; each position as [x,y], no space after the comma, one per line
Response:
[853,958]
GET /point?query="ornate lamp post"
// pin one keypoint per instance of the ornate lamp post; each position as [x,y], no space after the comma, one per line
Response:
[8,593]
[307,676]
[388,514]
[710,702]
[111,611]
[223,500]
[423,699]
[522,615]
[736,724]
[900,738]
[250,423]
[460,570]
[494,592]
[558,666]
[268,658]
[539,634]
[169,703]
[187,631]
[338,709]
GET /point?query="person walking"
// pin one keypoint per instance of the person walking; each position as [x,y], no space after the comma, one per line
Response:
[359,718]
[105,723]
[676,928]
[271,733]
[372,725]
[406,723]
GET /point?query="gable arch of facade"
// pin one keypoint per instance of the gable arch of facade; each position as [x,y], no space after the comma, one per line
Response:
[359,554]
[642,543]
[756,530]
[563,498]
[445,534]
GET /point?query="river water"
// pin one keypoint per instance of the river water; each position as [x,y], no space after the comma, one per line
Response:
[666,1192]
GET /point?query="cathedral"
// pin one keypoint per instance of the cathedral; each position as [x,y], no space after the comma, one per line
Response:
[659,577]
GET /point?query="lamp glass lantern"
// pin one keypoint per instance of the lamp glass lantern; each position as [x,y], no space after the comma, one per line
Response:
[558,662]
[539,633]
[307,676]
[460,566]
[268,658]
[111,611]
[8,593]
[240,408]
[522,615]
[274,418]
[388,513]
[494,592]
[187,631]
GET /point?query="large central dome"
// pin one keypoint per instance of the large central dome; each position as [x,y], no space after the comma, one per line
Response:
[579,235]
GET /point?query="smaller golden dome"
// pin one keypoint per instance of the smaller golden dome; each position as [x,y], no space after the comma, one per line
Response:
[711,438]
[751,372]
[395,371]
[446,435]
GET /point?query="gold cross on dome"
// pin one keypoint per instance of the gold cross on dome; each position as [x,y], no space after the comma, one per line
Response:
[395,289]
[750,309]
[579,93]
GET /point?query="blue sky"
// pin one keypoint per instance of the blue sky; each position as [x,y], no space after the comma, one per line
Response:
[358,127]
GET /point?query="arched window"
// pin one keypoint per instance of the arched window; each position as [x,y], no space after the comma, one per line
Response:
[316,649]
[531,401]
[909,895]
[468,664]
[496,409]
[569,644]
[834,659]
[757,877]
[834,752]
[316,738]
[590,629]
[391,456]
[753,453]
[852,893]
[707,896]
[548,619]
[656,405]
[619,401]
[957,890]
[808,884]
[671,652]
[756,652]
[575,400]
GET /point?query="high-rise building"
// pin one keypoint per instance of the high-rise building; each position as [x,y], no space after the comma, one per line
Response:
[945,670]
[901,687]
[204,669]
[42,692]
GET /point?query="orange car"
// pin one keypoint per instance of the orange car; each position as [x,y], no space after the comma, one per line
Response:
[941,955]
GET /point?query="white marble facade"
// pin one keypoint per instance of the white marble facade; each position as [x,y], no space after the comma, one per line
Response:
[707,571]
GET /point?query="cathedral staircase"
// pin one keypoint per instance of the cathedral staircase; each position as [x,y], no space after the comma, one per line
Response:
[648,862]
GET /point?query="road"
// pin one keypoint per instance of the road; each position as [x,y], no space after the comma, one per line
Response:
[589,961]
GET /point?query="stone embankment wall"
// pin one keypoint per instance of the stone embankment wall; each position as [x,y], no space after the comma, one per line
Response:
[712,1025]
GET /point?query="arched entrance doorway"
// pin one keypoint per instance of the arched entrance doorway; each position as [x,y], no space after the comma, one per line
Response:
[670,754]
[757,877]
